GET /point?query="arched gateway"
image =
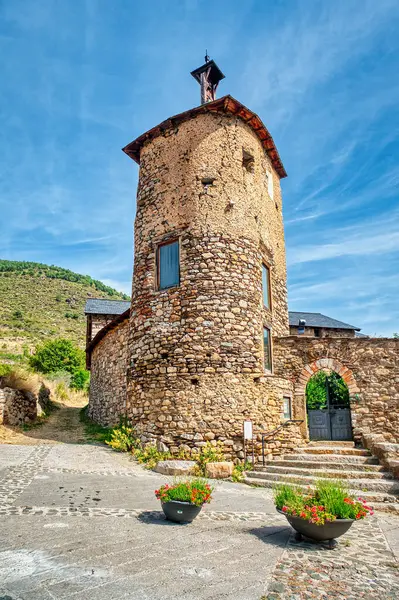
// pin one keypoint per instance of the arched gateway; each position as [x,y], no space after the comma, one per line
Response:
[328,414]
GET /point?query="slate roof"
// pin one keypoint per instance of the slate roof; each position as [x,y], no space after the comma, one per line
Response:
[318,320]
[100,306]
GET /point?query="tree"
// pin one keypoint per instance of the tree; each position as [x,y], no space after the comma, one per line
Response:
[316,391]
[61,355]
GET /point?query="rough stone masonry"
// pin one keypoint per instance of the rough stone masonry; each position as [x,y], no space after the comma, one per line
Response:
[188,364]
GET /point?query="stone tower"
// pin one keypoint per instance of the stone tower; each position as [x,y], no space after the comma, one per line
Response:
[209,282]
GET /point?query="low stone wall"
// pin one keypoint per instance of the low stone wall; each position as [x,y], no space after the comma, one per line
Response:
[387,453]
[107,400]
[18,407]
[369,366]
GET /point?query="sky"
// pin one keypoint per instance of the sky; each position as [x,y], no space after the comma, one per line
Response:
[82,78]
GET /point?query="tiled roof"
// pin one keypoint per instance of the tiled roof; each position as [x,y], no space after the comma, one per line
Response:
[318,320]
[226,104]
[100,306]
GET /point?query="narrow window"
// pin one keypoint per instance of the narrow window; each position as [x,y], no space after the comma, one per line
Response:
[267,349]
[269,178]
[266,285]
[168,265]
[287,408]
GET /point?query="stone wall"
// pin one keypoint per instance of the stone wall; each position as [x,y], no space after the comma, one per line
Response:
[19,406]
[323,332]
[94,324]
[369,366]
[196,351]
[108,376]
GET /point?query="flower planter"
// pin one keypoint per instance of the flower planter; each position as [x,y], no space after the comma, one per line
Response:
[180,512]
[320,533]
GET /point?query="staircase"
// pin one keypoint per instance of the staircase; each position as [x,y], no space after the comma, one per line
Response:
[337,460]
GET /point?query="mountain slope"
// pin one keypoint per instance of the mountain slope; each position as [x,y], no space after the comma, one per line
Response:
[39,301]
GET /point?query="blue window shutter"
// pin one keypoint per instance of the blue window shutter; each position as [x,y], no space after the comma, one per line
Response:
[169,272]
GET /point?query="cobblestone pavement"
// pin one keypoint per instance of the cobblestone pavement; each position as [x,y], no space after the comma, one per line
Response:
[82,522]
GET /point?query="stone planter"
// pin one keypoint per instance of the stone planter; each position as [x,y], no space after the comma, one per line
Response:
[320,533]
[180,512]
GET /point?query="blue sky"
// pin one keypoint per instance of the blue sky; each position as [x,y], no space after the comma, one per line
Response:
[81,78]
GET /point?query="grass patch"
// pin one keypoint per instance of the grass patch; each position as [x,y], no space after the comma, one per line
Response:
[93,431]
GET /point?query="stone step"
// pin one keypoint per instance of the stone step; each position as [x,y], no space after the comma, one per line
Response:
[326,472]
[334,450]
[364,485]
[383,501]
[330,443]
[333,458]
[324,464]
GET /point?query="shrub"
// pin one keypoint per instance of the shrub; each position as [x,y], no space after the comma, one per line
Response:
[17,314]
[5,370]
[196,491]
[58,355]
[238,471]
[80,380]
[329,501]
[123,438]
[61,391]
[62,355]
[150,456]
[209,453]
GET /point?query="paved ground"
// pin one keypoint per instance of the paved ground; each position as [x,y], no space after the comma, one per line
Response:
[82,522]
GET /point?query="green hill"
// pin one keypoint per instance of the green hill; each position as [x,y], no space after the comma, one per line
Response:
[39,301]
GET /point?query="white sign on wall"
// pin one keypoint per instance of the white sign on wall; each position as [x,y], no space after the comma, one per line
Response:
[247,430]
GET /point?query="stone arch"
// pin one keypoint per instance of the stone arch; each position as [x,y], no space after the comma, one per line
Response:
[326,364]
[322,364]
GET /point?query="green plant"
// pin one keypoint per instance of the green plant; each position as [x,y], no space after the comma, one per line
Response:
[209,453]
[149,456]
[5,370]
[329,501]
[195,491]
[80,380]
[62,355]
[57,355]
[61,391]
[93,431]
[238,471]
[17,314]
[123,438]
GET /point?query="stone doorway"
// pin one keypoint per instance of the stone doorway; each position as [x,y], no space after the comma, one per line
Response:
[328,407]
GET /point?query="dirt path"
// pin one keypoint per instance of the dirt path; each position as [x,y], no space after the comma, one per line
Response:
[62,427]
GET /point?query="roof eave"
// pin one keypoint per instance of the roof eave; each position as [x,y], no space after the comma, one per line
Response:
[226,104]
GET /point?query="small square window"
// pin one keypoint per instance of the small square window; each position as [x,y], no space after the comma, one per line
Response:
[287,408]
[168,268]
[266,286]
[248,161]
[267,349]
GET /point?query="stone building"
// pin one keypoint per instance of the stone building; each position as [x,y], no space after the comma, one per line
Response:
[206,343]
[320,326]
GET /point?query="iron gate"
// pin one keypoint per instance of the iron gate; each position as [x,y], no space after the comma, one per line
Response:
[333,423]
